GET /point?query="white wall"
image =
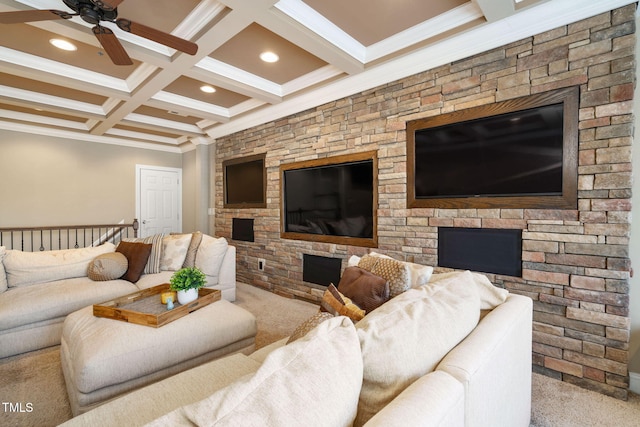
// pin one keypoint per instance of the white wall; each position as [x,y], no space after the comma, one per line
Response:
[56,181]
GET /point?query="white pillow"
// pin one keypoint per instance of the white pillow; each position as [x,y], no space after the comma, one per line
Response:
[314,381]
[491,296]
[28,268]
[3,274]
[406,337]
[174,251]
[210,255]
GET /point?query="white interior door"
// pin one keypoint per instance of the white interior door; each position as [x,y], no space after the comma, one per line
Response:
[159,200]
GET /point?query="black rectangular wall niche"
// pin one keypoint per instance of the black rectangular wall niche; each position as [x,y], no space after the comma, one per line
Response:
[321,270]
[485,250]
[242,229]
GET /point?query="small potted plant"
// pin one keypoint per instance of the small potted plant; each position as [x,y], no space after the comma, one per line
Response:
[186,282]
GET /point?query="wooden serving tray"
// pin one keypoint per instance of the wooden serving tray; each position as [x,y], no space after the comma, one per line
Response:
[145,308]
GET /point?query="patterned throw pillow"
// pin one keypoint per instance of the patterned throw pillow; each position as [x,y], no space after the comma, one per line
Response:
[306,326]
[395,272]
[339,305]
[153,263]
[174,251]
[109,266]
[190,259]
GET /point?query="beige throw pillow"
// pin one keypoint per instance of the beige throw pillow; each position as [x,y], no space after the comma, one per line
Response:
[174,251]
[406,337]
[314,381]
[308,325]
[108,266]
[210,255]
[190,259]
[396,273]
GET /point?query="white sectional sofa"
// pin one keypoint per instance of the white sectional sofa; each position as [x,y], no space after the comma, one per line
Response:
[455,351]
[39,289]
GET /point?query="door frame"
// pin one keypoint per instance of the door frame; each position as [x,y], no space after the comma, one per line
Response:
[139,169]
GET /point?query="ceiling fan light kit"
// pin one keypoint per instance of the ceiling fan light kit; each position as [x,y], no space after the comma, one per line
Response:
[96,11]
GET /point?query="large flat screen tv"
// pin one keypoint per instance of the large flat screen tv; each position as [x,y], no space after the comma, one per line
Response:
[244,182]
[331,200]
[520,153]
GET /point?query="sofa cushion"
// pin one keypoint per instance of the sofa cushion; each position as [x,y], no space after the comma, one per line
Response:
[396,273]
[210,255]
[153,263]
[28,268]
[3,274]
[365,289]
[308,325]
[406,338]
[109,266]
[174,251]
[190,259]
[313,381]
[137,255]
[491,296]
[39,302]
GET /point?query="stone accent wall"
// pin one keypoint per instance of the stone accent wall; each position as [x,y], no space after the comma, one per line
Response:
[575,262]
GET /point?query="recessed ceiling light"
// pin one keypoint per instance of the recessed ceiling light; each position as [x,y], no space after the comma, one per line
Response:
[207,89]
[63,44]
[269,57]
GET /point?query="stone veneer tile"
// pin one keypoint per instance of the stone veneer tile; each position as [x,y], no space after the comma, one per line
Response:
[576,260]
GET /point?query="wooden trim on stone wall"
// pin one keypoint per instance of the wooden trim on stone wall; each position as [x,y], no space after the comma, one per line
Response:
[326,161]
[570,98]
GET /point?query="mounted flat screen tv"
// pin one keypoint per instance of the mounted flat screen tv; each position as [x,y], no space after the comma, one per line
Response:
[520,153]
[331,200]
[245,182]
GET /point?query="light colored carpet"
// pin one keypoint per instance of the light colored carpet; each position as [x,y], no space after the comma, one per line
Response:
[560,404]
[36,378]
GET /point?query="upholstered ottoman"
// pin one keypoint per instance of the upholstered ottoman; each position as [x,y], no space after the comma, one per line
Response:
[104,358]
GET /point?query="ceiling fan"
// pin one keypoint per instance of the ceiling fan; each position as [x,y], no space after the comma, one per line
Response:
[96,11]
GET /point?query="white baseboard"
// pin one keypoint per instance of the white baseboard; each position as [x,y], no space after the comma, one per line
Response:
[634,382]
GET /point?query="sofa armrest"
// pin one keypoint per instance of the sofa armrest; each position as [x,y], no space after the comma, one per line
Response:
[494,364]
[226,278]
[227,275]
[436,399]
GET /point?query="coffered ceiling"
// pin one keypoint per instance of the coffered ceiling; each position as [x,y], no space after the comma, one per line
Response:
[327,49]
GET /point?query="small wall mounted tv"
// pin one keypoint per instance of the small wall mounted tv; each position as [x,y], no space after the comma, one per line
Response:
[244,182]
[331,200]
[520,153]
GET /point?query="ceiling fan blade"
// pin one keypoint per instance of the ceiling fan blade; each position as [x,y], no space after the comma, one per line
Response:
[112,46]
[158,36]
[107,5]
[32,16]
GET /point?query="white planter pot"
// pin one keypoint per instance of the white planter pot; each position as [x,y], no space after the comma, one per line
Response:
[185,297]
